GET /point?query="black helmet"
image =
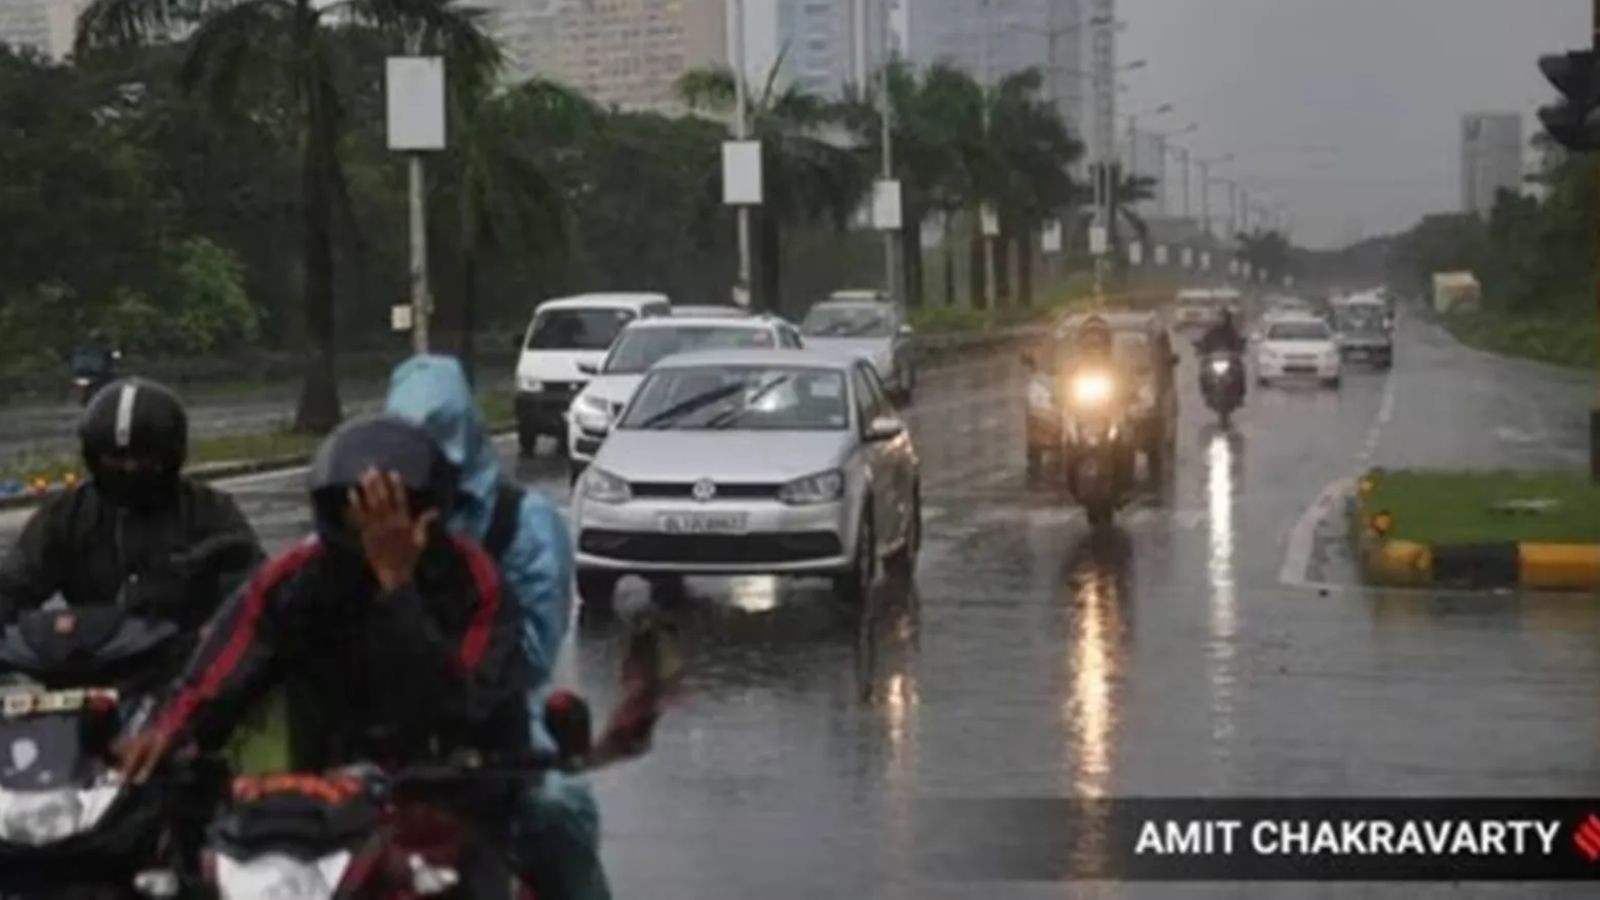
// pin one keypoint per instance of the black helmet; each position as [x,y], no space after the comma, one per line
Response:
[137,420]
[387,444]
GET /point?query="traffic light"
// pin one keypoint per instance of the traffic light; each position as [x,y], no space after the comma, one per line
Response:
[1574,124]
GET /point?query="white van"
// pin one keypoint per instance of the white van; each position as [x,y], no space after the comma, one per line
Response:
[1203,306]
[565,334]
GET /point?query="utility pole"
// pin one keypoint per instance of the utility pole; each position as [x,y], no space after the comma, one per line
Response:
[421,301]
[989,292]
[1186,189]
[741,131]
[887,139]
[1205,197]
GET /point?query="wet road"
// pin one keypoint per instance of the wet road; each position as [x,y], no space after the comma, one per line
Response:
[1027,659]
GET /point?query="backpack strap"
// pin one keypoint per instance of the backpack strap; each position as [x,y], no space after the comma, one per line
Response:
[503,520]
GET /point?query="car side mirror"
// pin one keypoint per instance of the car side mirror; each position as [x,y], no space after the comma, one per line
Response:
[885,428]
[588,368]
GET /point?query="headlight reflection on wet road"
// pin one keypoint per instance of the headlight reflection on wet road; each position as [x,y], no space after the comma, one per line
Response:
[1220,461]
[1092,660]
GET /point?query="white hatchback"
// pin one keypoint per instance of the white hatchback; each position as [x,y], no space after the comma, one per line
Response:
[1297,346]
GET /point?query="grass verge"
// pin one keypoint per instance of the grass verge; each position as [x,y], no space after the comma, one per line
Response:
[1562,341]
[1454,507]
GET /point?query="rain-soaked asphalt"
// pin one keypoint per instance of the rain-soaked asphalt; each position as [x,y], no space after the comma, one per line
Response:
[1027,659]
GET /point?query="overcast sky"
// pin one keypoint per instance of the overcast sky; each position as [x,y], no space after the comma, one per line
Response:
[1347,111]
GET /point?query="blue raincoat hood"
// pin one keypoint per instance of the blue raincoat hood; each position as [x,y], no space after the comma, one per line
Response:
[433,392]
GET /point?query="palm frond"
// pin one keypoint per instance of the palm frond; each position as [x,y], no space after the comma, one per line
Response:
[107,24]
[228,44]
[708,88]
[457,31]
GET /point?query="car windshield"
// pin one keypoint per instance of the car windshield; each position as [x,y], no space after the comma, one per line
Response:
[1298,331]
[640,348]
[740,398]
[1360,321]
[577,329]
[853,320]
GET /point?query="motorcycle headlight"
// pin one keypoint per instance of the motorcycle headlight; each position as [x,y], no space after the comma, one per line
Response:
[38,818]
[591,413]
[281,875]
[1039,396]
[529,383]
[1092,389]
[822,487]
[603,487]
[1220,366]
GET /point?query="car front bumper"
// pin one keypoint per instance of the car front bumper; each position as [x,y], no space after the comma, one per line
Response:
[1279,368]
[779,539]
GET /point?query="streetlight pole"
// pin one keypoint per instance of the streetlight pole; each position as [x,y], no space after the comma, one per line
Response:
[989,292]
[887,139]
[421,301]
[741,131]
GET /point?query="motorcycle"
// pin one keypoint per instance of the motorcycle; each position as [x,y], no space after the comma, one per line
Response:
[363,833]
[74,681]
[1097,462]
[1222,384]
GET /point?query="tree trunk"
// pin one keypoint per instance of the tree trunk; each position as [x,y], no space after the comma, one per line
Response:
[911,258]
[1025,268]
[467,344]
[949,252]
[1002,264]
[976,280]
[319,410]
[770,298]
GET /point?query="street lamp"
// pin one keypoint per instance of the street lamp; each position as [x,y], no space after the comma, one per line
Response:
[1052,35]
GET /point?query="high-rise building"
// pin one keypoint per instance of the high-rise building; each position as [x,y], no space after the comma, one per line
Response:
[625,53]
[817,45]
[995,38]
[1491,158]
[47,26]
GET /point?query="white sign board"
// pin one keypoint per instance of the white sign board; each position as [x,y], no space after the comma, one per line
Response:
[1099,240]
[741,296]
[1233,267]
[886,205]
[1205,260]
[400,317]
[1050,237]
[1135,254]
[741,173]
[1161,254]
[414,92]
[932,232]
[1288,281]
[990,221]
[1188,257]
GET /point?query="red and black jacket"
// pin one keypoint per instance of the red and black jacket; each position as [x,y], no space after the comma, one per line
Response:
[395,677]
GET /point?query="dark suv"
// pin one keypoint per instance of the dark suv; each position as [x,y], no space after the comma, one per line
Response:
[1141,347]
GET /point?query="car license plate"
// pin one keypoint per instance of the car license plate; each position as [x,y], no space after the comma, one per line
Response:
[704,523]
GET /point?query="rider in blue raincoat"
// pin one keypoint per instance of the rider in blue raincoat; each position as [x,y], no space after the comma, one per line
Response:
[559,825]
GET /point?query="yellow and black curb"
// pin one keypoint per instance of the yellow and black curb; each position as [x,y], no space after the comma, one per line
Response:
[1483,566]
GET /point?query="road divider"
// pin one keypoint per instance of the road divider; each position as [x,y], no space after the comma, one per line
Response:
[1478,530]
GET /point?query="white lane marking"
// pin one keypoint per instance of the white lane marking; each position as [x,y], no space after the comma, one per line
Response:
[1297,556]
[1384,416]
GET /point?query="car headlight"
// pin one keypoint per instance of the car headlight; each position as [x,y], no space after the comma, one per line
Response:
[822,487]
[603,487]
[1039,395]
[38,818]
[591,413]
[1091,389]
[529,383]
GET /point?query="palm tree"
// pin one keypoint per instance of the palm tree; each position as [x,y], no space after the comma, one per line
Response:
[505,192]
[287,51]
[1265,250]
[805,177]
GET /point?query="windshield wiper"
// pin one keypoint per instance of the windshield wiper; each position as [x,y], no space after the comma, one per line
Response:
[690,404]
[723,420]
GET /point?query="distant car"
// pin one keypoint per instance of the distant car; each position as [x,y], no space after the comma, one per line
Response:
[704,312]
[563,335]
[1281,304]
[642,345]
[788,462]
[866,329]
[1202,307]
[1364,329]
[1297,346]
[872,295]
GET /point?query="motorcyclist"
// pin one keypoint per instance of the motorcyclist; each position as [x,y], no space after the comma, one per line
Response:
[1093,352]
[558,823]
[122,535]
[1222,338]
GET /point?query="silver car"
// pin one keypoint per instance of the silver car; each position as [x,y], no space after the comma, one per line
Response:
[867,329]
[751,461]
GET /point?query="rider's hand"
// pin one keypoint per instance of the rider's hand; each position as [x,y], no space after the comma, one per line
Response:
[139,754]
[392,538]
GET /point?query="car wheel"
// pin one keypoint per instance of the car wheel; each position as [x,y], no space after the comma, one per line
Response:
[1331,383]
[1261,381]
[527,439]
[853,586]
[562,450]
[905,561]
[575,470]
[597,587]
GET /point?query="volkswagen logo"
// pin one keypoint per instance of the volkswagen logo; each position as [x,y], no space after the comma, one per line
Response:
[704,490]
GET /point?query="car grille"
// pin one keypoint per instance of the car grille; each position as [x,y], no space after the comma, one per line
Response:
[709,548]
[662,489]
[1301,360]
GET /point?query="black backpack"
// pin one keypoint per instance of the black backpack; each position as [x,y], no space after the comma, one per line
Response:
[503,520]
